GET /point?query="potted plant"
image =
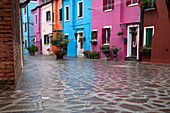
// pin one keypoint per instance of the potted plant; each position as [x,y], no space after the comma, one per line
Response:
[94,54]
[145,49]
[106,50]
[61,42]
[146,53]
[120,33]
[32,49]
[115,50]
[86,53]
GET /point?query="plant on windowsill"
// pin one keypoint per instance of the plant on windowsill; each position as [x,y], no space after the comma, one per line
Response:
[94,40]
[115,50]
[32,49]
[61,42]
[145,4]
[94,54]
[120,33]
[145,49]
[106,50]
[86,53]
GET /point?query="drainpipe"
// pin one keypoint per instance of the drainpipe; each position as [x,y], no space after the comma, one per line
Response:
[141,29]
[28,27]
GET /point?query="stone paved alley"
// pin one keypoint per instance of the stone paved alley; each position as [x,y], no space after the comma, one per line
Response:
[83,85]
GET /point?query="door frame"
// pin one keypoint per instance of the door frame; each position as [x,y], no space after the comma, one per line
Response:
[129,41]
[78,40]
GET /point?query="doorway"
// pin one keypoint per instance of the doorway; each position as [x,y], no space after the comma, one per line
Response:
[80,44]
[133,41]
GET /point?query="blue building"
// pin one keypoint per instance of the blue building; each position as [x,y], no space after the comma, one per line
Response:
[77,25]
[27,22]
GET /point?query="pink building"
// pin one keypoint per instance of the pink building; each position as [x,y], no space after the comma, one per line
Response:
[112,16]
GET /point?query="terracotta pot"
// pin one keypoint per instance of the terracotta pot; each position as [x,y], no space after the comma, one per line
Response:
[85,55]
[32,53]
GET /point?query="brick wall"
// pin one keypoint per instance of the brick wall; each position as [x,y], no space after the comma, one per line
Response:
[10,55]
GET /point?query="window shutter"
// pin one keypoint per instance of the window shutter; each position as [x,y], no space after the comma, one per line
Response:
[128,2]
[104,5]
[44,39]
[112,4]
[48,40]
[103,35]
[109,33]
[49,15]
[92,33]
[96,34]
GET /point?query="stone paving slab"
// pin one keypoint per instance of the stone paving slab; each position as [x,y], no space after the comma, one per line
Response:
[88,86]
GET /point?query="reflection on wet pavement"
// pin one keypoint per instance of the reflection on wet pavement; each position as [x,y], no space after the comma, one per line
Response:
[95,86]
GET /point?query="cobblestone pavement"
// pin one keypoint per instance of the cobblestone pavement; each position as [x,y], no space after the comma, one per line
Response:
[83,85]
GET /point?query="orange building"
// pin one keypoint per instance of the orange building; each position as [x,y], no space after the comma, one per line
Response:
[57,9]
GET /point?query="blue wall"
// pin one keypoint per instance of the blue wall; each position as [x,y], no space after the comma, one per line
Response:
[74,24]
[25,17]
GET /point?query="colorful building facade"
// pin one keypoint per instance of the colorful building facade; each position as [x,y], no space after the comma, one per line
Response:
[112,16]
[46,27]
[77,25]
[27,20]
[156,28]
[57,26]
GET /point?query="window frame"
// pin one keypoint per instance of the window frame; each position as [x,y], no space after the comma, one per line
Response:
[60,16]
[144,40]
[111,7]
[133,4]
[47,18]
[45,39]
[78,11]
[68,13]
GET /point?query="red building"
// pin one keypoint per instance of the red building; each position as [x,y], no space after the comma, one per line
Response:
[11,53]
[156,31]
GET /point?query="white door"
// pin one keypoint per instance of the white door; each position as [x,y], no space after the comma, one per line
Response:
[80,42]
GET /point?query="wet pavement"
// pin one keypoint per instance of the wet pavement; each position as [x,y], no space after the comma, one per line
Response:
[89,86]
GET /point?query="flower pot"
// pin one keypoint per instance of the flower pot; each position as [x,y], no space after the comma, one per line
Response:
[115,55]
[59,54]
[32,53]
[107,53]
[85,55]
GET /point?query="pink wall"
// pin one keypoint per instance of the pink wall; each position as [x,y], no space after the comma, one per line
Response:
[119,15]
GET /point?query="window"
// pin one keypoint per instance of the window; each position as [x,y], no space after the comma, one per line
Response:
[48,16]
[36,19]
[67,13]
[108,5]
[44,1]
[106,35]
[148,34]
[46,39]
[25,27]
[66,36]
[94,35]
[80,9]
[25,10]
[132,2]
[60,14]
[25,43]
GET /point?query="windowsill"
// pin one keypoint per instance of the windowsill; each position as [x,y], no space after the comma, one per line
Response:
[66,20]
[94,40]
[150,9]
[46,44]
[108,10]
[60,21]
[133,5]
[106,44]
[48,21]
[80,17]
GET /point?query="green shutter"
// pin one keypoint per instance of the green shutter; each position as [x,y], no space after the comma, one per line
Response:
[149,33]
